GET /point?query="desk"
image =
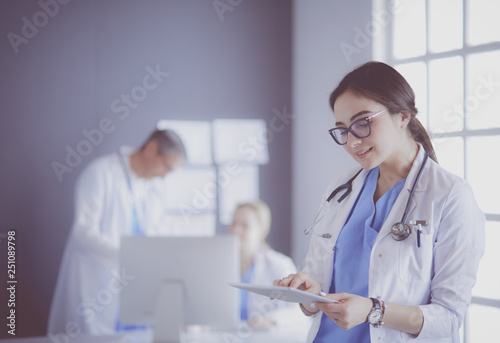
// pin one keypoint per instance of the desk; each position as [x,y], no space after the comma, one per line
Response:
[77,339]
[291,335]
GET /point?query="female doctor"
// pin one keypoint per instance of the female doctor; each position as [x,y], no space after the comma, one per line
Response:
[393,283]
[260,264]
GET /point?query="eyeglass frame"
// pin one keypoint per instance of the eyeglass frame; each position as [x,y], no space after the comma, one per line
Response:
[349,129]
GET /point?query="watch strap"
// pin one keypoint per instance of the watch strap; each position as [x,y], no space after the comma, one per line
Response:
[378,306]
[381,321]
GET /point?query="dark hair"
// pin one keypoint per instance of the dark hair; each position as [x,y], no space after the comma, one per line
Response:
[168,141]
[382,83]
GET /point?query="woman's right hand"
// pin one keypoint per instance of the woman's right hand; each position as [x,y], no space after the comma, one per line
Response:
[303,282]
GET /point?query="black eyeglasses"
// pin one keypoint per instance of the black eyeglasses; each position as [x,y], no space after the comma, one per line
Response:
[360,129]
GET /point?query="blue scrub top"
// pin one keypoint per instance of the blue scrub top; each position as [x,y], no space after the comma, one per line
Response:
[245,278]
[352,255]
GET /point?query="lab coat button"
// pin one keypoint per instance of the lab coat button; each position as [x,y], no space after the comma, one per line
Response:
[380,338]
[379,254]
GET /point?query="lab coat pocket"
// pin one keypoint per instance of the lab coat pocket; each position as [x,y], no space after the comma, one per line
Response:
[414,261]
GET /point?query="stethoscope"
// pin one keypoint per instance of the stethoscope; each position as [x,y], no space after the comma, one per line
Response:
[400,230]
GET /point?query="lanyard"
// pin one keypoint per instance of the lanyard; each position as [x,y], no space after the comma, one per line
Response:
[136,228]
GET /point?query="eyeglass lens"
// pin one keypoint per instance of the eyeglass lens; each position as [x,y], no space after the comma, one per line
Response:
[360,128]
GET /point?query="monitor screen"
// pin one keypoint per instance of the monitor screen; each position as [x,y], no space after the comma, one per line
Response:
[203,266]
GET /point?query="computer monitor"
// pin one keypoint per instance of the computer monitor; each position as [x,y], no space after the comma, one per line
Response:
[180,281]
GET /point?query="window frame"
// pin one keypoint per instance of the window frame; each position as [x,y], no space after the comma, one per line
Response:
[382,49]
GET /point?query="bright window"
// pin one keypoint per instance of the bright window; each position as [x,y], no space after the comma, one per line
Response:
[449,51]
[223,158]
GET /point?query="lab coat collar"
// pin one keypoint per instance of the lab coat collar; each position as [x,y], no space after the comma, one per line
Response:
[126,152]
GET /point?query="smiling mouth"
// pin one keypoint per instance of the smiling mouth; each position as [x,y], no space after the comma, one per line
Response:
[363,153]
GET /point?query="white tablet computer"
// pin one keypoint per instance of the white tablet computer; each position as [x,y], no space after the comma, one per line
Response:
[283,293]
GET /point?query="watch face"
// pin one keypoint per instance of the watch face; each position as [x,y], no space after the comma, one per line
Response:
[374,316]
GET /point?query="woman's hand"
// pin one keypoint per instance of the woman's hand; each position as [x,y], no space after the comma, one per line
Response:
[351,310]
[261,322]
[300,281]
[303,282]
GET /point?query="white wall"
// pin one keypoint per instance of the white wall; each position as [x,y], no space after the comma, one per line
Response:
[320,29]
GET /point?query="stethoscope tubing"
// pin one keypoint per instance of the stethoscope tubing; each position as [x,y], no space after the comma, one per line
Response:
[417,179]
[348,187]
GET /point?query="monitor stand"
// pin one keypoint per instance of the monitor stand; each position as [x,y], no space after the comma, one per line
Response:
[169,313]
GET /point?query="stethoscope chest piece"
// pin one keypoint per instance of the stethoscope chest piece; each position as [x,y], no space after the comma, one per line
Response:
[400,231]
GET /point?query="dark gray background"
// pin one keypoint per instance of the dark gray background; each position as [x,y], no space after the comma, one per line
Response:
[90,52]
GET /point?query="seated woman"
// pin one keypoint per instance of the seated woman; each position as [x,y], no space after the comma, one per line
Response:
[260,264]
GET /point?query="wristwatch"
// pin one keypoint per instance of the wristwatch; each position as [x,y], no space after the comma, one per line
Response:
[376,315]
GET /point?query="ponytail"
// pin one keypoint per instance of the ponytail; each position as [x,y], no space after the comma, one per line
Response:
[421,136]
[384,84]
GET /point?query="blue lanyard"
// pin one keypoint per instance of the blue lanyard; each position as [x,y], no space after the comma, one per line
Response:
[136,229]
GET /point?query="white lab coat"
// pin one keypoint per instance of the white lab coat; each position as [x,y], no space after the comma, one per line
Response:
[86,298]
[269,265]
[438,276]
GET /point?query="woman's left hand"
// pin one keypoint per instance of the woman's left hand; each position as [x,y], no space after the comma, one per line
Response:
[351,310]
[261,322]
